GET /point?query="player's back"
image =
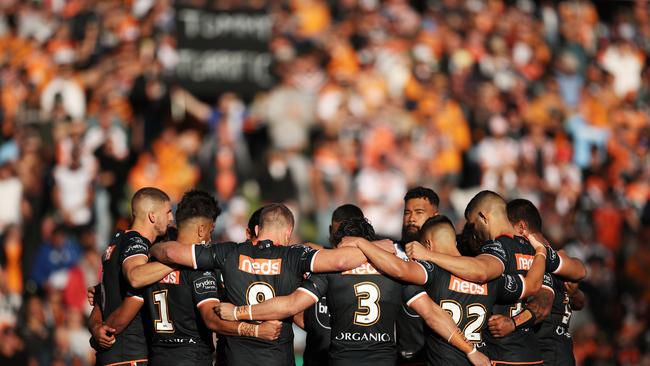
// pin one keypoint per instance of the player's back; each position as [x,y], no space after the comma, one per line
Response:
[364,306]
[553,333]
[469,304]
[178,334]
[317,327]
[130,344]
[253,274]
[517,255]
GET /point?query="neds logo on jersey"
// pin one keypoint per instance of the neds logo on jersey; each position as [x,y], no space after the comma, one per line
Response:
[260,266]
[364,269]
[460,285]
[173,278]
[524,261]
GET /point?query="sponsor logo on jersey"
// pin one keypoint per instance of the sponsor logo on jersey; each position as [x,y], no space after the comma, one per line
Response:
[260,266]
[494,248]
[109,252]
[363,337]
[205,284]
[364,269]
[173,278]
[524,261]
[511,284]
[460,285]
[322,308]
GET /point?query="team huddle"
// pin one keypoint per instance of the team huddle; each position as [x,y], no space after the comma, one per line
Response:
[494,294]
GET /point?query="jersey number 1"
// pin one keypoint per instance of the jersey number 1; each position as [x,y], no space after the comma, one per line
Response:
[164,325]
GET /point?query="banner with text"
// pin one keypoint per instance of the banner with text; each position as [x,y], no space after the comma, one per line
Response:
[223,50]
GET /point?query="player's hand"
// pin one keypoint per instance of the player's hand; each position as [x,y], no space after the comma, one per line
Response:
[270,330]
[500,326]
[385,244]
[415,250]
[104,335]
[350,241]
[479,359]
[225,311]
[90,294]
[537,240]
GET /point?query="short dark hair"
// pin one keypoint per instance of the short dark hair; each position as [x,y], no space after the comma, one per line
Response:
[433,222]
[276,214]
[254,220]
[523,210]
[359,227]
[152,193]
[423,192]
[195,204]
[467,242]
[346,212]
[478,200]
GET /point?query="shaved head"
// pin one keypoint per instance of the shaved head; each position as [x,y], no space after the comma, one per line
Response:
[487,213]
[484,201]
[146,200]
[439,234]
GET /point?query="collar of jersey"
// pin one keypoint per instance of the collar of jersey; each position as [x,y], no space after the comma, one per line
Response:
[264,244]
[508,235]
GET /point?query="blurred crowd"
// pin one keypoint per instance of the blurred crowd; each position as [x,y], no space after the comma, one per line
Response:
[544,100]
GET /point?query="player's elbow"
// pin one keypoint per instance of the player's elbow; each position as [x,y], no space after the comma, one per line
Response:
[581,271]
[480,276]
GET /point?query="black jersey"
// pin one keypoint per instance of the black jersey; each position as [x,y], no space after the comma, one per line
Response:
[131,344]
[252,274]
[469,305]
[516,254]
[176,325]
[553,333]
[317,326]
[410,329]
[363,305]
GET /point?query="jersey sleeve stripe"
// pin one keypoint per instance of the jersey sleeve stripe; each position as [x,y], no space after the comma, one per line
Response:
[136,297]
[194,256]
[313,260]
[426,274]
[497,258]
[206,300]
[559,267]
[523,289]
[313,296]
[419,295]
[135,255]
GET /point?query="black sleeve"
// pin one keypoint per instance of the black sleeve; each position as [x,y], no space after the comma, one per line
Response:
[133,246]
[315,285]
[300,259]
[411,293]
[204,286]
[553,260]
[496,249]
[509,289]
[209,257]
[549,282]
[430,269]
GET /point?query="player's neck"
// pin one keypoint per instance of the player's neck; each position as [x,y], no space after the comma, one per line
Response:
[276,238]
[500,229]
[186,238]
[146,231]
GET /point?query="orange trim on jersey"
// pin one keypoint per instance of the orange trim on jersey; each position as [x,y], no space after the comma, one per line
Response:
[511,236]
[496,363]
[130,363]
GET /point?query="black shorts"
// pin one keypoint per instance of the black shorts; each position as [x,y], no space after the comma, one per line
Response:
[506,363]
[142,362]
[180,356]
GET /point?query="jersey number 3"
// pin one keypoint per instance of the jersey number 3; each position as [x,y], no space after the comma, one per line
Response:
[368,296]
[163,325]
